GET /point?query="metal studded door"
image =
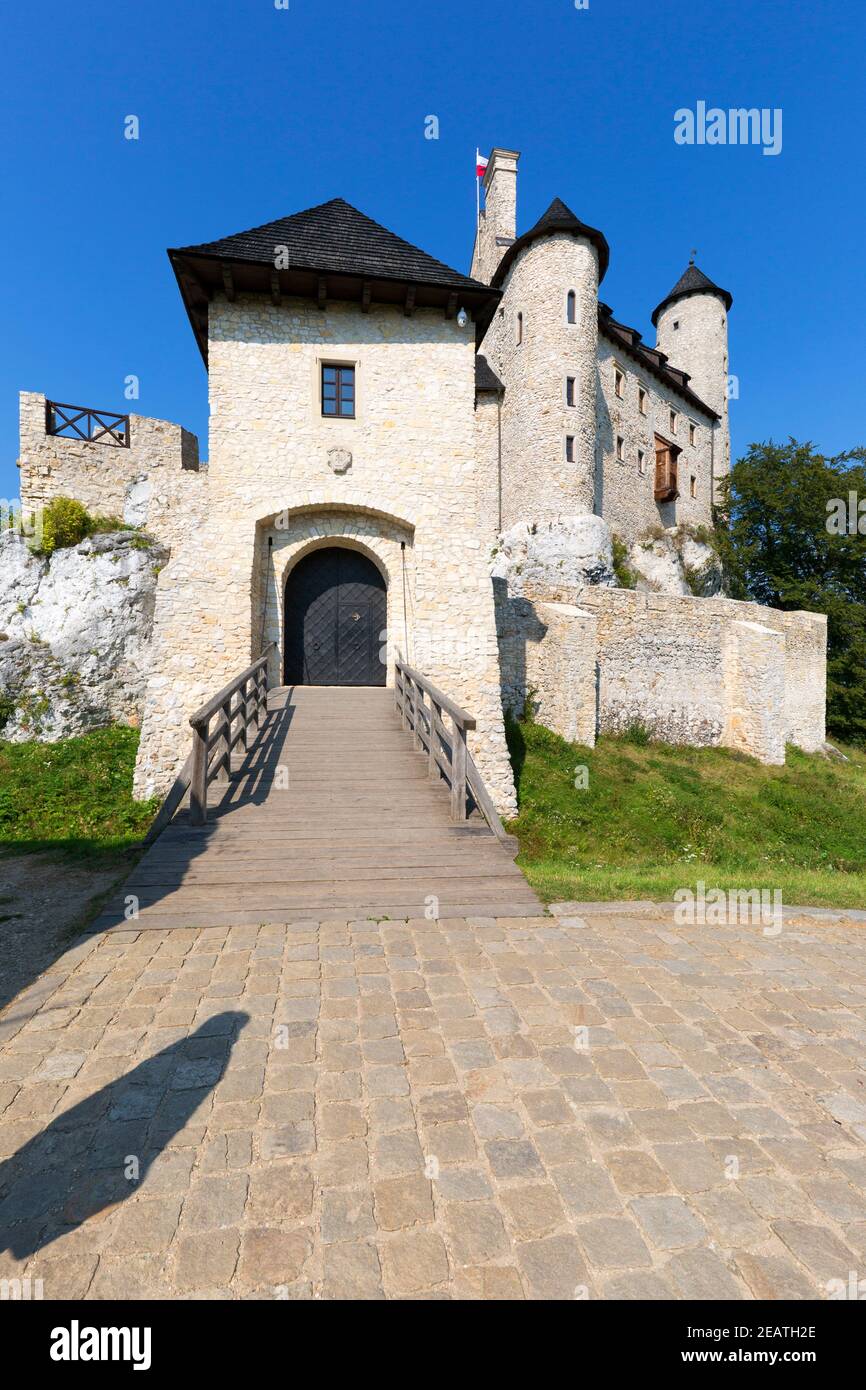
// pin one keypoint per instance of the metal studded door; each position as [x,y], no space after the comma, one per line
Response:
[335,614]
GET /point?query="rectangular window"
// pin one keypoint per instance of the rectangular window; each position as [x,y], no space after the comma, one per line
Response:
[569,390]
[569,448]
[618,382]
[693,435]
[338,391]
[641,400]
[693,487]
[673,422]
[641,461]
[620,447]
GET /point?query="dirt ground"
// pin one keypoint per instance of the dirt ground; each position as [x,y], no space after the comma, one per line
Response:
[44,901]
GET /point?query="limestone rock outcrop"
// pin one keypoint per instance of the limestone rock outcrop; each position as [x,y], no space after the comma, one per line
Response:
[676,562]
[554,557]
[75,634]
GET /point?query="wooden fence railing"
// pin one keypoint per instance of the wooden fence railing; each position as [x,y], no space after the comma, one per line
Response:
[445,745]
[212,748]
[83,422]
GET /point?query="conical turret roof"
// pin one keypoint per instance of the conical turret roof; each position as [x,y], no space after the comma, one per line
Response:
[692,281]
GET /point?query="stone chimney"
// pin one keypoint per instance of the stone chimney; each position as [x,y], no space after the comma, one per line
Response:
[498,225]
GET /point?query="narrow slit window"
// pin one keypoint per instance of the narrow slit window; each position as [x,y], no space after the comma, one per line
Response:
[693,487]
[620,447]
[618,382]
[641,461]
[571,307]
[673,422]
[641,400]
[693,435]
[518,331]
[569,390]
[338,391]
[569,448]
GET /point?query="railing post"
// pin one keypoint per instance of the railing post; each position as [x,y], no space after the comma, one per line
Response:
[198,776]
[407,682]
[222,748]
[435,713]
[244,713]
[458,773]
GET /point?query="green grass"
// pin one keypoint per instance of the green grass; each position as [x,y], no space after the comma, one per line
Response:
[74,796]
[654,818]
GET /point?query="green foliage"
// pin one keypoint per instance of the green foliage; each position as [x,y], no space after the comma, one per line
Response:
[637,733]
[625,576]
[777,550]
[66,522]
[656,818]
[75,795]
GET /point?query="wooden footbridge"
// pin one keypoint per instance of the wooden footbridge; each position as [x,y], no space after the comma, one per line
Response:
[325,802]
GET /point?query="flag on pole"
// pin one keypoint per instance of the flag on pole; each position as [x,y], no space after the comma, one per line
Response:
[480,164]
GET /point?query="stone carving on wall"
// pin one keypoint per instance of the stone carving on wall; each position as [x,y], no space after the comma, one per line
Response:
[339,460]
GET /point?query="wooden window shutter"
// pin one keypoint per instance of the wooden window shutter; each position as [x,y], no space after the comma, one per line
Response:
[666,470]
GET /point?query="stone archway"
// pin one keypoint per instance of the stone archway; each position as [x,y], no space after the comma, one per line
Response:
[334,619]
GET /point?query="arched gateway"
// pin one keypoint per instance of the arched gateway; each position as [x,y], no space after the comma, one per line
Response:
[334,620]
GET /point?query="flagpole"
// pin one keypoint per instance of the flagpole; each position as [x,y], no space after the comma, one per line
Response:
[477,193]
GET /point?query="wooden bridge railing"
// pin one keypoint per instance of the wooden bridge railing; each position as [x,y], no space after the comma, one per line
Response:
[445,746]
[212,748]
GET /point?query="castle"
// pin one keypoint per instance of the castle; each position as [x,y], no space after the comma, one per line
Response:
[407,460]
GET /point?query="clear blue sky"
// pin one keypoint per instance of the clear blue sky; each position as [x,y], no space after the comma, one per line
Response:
[249,112]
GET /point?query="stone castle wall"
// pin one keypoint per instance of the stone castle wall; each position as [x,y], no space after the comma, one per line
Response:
[624,495]
[412,475]
[703,672]
[158,482]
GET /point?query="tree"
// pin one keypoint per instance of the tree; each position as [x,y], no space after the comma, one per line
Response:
[790,537]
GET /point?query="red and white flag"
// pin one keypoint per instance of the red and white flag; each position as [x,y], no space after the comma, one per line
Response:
[480,164]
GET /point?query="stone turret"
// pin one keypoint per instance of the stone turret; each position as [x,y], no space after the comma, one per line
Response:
[692,330]
[543,345]
[497,227]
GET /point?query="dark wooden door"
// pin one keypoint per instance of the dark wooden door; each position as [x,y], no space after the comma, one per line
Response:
[335,615]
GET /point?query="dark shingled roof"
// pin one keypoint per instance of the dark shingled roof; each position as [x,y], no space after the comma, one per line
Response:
[558,218]
[333,252]
[335,238]
[692,281]
[651,359]
[485,377]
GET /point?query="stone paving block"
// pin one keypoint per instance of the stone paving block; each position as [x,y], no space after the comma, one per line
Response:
[413,1262]
[771,1277]
[403,1201]
[351,1270]
[702,1275]
[534,1210]
[816,1247]
[347,1215]
[669,1223]
[204,1258]
[271,1259]
[554,1267]
[586,1189]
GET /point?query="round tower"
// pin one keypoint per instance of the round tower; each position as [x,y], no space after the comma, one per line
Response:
[691,326]
[545,332]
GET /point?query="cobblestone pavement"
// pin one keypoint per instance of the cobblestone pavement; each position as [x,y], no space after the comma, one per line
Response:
[606,1107]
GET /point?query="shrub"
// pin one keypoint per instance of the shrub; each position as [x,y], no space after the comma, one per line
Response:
[625,576]
[66,522]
